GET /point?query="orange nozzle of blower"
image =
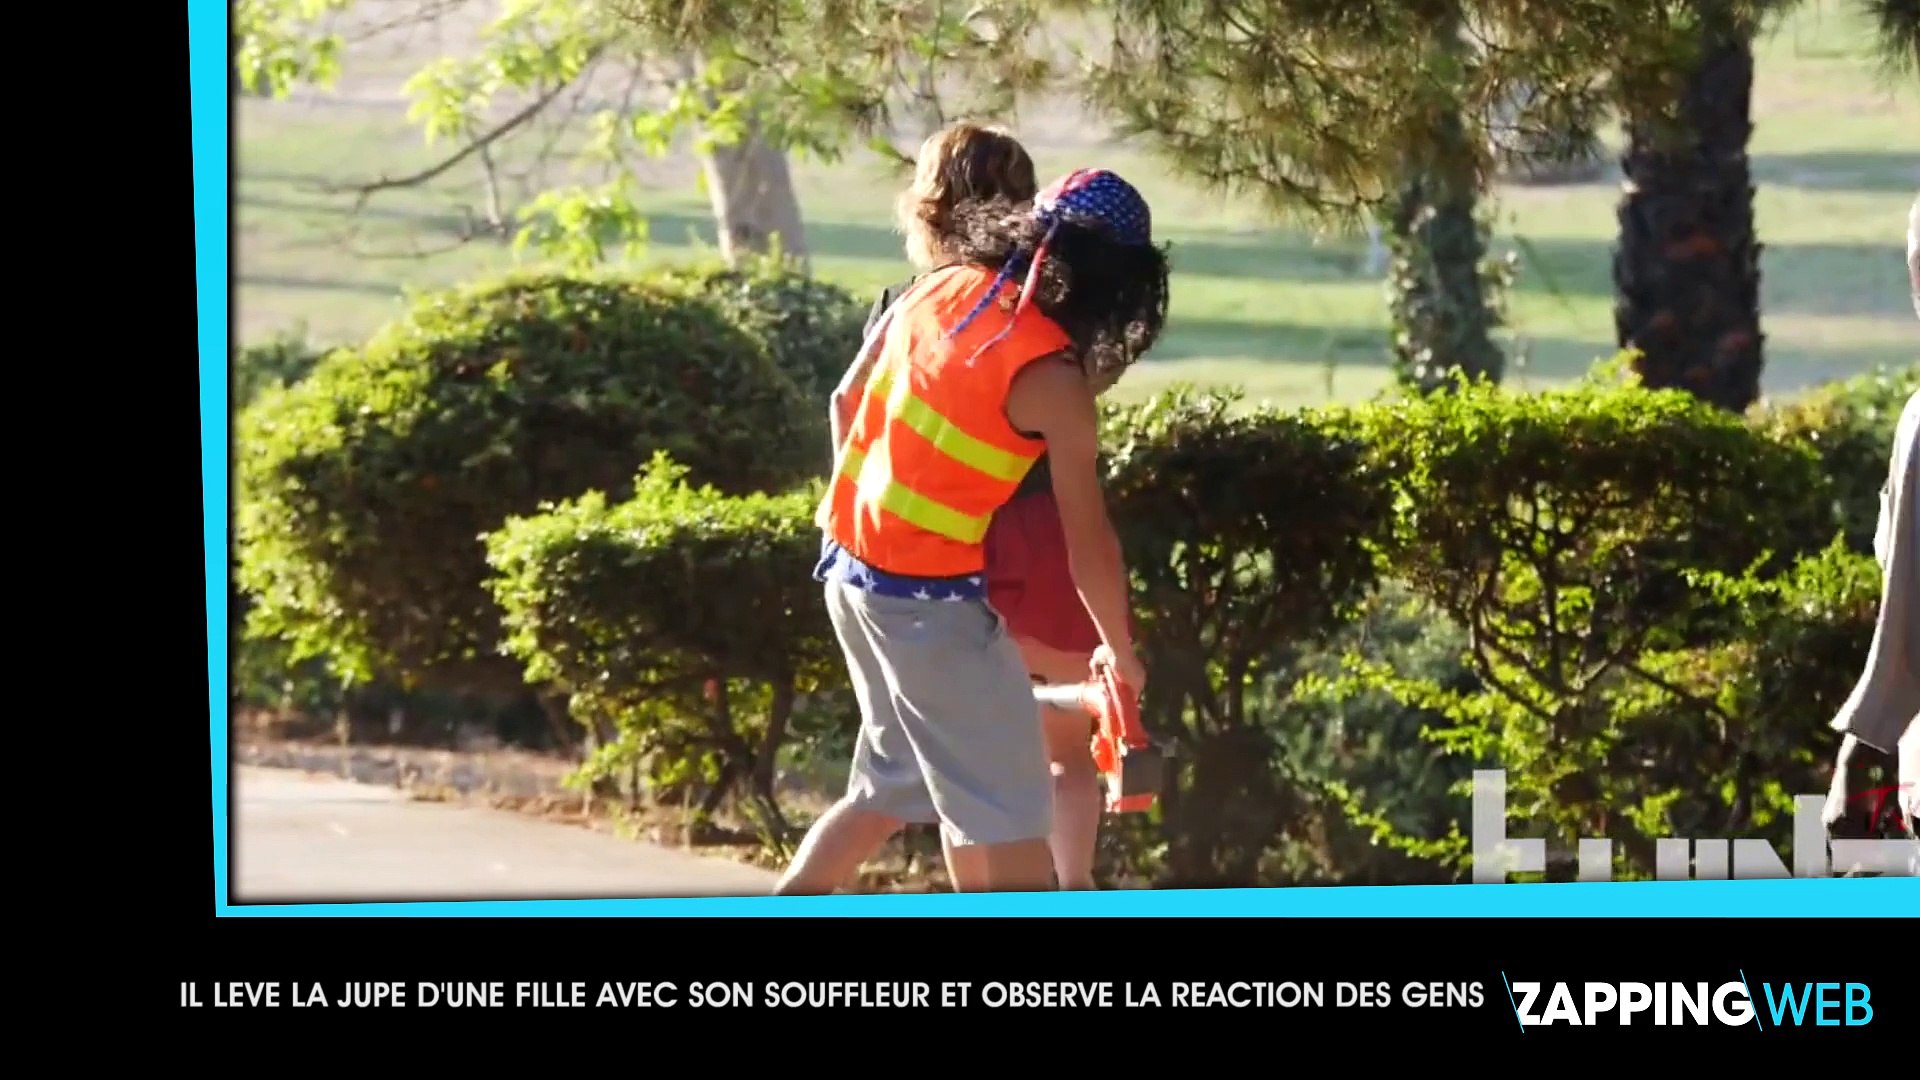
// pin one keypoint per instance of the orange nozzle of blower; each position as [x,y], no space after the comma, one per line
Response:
[1132,767]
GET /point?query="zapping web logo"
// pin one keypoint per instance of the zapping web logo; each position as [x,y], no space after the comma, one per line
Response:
[1496,855]
[1729,1003]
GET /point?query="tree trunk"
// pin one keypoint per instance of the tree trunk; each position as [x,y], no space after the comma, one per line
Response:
[749,186]
[566,733]
[1438,303]
[1442,318]
[754,205]
[766,761]
[1686,271]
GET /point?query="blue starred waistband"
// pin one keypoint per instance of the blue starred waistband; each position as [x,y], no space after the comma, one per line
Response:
[839,565]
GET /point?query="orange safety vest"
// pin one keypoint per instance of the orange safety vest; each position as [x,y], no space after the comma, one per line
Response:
[930,454]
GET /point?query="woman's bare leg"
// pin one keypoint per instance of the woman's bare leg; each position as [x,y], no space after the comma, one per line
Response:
[1076,799]
[1076,786]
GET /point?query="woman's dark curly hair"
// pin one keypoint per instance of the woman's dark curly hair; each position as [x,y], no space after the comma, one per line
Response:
[1109,297]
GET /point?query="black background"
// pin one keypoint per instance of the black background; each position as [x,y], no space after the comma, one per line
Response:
[176,938]
[337,951]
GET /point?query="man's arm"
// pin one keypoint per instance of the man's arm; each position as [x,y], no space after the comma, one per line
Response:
[1053,399]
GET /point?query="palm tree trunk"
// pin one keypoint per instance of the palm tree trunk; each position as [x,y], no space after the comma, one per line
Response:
[1687,267]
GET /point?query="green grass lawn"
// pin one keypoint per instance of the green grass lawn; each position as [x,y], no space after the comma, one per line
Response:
[1271,308]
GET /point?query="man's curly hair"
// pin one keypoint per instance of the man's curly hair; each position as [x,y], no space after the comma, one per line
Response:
[1109,297]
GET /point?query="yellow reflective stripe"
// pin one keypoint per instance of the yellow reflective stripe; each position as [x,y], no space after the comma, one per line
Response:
[946,437]
[934,517]
[960,446]
[914,508]
[852,459]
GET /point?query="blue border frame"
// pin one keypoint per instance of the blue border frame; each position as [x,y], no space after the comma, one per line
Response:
[208,51]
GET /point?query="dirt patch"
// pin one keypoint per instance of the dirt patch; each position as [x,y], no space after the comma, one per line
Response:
[484,774]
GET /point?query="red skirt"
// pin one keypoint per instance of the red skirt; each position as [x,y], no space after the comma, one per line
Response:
[1029,579]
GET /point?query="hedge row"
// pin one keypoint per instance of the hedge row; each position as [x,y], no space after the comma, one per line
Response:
[1642,608]
[1650,609]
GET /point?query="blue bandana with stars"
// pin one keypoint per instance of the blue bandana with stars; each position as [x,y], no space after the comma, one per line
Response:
[1099,199]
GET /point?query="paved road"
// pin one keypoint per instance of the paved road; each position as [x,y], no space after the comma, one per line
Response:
[299,837]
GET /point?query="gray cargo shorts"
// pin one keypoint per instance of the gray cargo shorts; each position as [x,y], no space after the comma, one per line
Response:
[949,730]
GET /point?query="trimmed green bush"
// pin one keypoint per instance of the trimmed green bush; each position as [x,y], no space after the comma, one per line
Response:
[811,327]
[278,361]
[1562,531]
[1362,761]
[1849,424]
[688,618]
[1247,536]
[1629,600]
[365,488]
[1720,739]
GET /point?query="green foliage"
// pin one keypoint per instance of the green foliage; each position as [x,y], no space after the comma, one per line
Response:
[364,489]
[822,77]
[582,227]
[1606,591]
[1720,738]
[1897,37]
[279,361]
[279,44]
[1562,532]
[685,616]
[1850,425]
[1364,768]
[812,327]
[1599,491]
[1325,106]
[1246,535]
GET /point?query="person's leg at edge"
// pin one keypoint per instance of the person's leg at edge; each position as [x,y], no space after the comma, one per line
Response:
[883,778]
[1077,799]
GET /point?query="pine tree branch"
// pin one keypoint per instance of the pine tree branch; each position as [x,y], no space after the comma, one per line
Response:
[1896,35]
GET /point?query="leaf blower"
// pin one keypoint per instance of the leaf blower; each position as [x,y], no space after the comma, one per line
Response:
[1132,768]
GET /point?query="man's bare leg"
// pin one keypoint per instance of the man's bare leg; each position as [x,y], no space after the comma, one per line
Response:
[842,840]
[1022,866]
